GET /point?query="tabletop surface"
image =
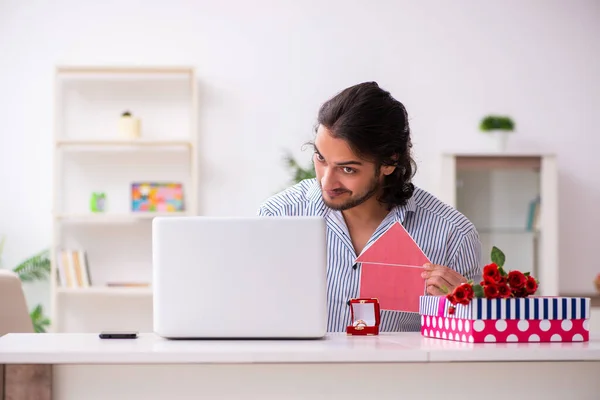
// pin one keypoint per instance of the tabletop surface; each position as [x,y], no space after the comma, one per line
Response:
[148,348]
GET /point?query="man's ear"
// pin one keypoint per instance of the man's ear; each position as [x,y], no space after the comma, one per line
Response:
[388,169]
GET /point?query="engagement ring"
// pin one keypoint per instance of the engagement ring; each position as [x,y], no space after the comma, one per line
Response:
[360,324]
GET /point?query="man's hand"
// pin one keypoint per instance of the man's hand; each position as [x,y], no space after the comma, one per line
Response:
[439,278]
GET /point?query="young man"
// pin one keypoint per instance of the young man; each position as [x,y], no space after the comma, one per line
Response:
[363,164]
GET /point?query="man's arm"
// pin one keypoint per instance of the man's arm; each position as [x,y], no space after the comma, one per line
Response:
[467,260]
[263,212]
[463,266]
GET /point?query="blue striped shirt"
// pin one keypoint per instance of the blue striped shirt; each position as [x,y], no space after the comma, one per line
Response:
[445,235]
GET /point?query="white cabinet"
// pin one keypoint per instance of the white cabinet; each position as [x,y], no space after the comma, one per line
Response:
[125,151]
[512,199]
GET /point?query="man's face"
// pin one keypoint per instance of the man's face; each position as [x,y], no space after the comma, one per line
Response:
[346,181]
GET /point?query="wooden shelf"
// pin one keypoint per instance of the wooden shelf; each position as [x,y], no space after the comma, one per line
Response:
[90,156]
[498,162]
[118,69]
[104,218]
[106,291]
[498,193]
[122,143]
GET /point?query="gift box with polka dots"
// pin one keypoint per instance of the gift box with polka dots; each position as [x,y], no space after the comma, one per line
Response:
[532,319]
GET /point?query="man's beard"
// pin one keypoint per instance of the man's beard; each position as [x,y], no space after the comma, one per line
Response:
[354,201]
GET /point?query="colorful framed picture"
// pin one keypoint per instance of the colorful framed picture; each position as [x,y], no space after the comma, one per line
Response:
[156,197]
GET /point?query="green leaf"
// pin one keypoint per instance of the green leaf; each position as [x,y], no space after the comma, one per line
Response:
[498,256]
[444,289]
[299,173]
[39,326]
[526,274]
[497,122]
[39,320]
[36,267]
[478,291]
[36,312]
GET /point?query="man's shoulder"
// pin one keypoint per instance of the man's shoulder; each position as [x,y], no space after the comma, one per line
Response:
[447,236]
[298,199]
[431,207]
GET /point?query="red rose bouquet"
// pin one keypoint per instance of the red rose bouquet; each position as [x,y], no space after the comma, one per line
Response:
[496,283]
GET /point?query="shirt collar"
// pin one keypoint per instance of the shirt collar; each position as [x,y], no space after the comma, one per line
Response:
[402,211]
[314,196]
[314,192]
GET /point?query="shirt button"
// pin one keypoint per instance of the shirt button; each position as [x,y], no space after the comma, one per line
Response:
[355,266]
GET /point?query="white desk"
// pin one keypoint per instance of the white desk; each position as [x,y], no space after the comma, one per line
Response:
[388,366]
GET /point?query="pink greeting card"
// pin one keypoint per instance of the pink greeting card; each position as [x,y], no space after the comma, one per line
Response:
[391,271]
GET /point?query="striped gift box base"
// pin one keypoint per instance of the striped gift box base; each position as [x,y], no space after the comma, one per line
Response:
[532,319]
[505,330]
[530,308]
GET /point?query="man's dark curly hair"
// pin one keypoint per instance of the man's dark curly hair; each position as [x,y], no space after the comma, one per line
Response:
[375,126]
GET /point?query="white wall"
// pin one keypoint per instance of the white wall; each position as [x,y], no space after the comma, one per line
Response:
[265,67]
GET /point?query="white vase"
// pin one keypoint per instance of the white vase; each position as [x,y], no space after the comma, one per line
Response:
[499,139]
[129,127]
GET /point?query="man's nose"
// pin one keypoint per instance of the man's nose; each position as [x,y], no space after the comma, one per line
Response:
[328,180]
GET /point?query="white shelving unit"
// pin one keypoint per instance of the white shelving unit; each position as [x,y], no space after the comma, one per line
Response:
[495,192]
[90,156]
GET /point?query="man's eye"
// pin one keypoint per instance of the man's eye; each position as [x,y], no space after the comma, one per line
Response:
[319,157]
[349,170]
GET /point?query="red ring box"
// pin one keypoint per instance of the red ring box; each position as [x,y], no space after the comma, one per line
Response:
[365,317]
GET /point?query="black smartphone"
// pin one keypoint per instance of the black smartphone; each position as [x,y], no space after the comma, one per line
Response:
[118,335]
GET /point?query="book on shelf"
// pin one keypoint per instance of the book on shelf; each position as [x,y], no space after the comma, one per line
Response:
[533,216]
[73,269]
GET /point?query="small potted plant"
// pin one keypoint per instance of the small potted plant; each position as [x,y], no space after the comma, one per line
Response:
[500,127]
[129,126]
[97,202]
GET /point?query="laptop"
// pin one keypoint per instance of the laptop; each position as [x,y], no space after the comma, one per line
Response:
[239,277]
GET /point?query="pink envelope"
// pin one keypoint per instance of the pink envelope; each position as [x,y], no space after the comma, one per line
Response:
[391,271]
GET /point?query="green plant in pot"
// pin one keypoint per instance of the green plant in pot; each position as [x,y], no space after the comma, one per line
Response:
[500,126]
[32,269]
